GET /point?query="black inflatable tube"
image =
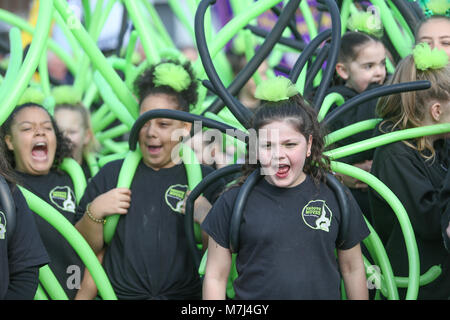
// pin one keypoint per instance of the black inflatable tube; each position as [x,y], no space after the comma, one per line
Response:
[307,53]
[332,53]
[8,206]
[315,67]
[292,24]
[342,193]
[251,67]
[182,116]
[239,206]
[375,93]
[237,109]
[189,208]
[291,43]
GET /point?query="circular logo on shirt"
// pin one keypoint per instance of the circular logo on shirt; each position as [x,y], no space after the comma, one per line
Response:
[2,225]
[175,196]
[317,215]
[63,198]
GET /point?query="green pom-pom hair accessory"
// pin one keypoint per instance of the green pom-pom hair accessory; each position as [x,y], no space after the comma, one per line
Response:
[436,7]
[425,58]
[32,95]
[275,89]
[365,22]
[172,75]
[66,95]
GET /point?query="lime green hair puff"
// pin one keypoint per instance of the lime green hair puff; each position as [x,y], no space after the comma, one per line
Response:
[66,95]
[365,22]
[425,58]
[172,75]
[32,95]
[275,89]
[439,7]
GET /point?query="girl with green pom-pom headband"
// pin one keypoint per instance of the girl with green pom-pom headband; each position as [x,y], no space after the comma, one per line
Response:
[289,204]
[416,170]
[434,29]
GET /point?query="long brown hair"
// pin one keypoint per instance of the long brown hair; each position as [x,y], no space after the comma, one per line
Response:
[407,109]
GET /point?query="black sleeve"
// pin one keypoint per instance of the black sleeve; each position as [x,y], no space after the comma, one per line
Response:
[445,220]
[23,285]
[25,248]
[357,227]
[217,222]
[423,202]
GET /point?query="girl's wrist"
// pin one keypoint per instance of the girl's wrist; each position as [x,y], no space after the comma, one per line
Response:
[92,217]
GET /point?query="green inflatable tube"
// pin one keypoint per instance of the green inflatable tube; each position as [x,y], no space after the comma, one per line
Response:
[387,138]
[75,239]
[13,69]
[402,216]
[98,59]
[51,284]
[76,173]
[37,47]
[328,101]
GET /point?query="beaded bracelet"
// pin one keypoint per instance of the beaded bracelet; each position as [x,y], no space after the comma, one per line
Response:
[89,214]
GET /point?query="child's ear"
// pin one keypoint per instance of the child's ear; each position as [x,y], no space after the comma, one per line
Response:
[436,111]
[9,142]
[188,126]
[341,70]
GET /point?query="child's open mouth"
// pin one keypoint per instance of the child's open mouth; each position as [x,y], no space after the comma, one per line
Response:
[154,149]
[40,151]
[283,171]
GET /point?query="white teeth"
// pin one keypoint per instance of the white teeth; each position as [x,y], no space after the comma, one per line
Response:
[39,144]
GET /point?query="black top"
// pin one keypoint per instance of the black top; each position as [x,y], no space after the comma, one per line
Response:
[287,240]
[365,111]
[23,251]
[149,257]
[423,189]
[56,188]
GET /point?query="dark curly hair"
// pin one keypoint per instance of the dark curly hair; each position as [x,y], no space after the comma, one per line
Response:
[63,144]
[144,86]
[298,112]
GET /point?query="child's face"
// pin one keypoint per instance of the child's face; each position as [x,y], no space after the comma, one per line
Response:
[282,152]
[70,122]
[436,32]
[33,141]
[158,137]
[368,67]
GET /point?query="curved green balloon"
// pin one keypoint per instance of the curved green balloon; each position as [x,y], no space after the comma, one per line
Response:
[75,239]
[125,179]
[328,101]
[37,48]
[378,253]
[402,216]
[13,69]
[76,173]
[98,59]
[351,130]
[51,284]
[40,294]
[387,138]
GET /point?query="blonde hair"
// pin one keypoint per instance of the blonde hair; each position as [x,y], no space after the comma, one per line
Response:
[93,145]
[407,109]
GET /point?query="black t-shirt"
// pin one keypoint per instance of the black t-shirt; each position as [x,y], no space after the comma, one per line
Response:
[149,257]
[24,248]
[423,187]
[56,188]
[287,240]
